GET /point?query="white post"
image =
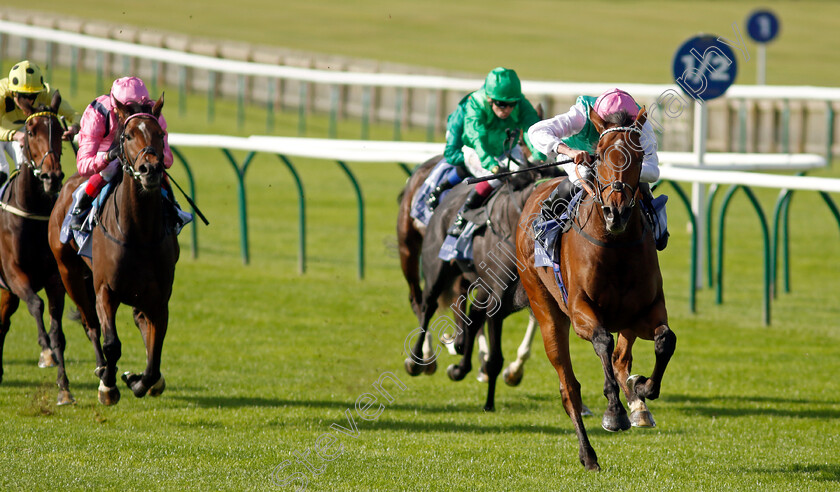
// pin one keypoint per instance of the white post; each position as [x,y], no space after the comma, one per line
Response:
[761,64]
[698,190]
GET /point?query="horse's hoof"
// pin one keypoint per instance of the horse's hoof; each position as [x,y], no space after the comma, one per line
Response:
[157,388]
[585,411]
[65,398]
[430,369]
[592,466]
[489,408]
[455,373]
[482,377]
[642,418]
[512,378]
[412,367]
[99,371]
[108,396]
[46,359]
[135,384]
[615,423]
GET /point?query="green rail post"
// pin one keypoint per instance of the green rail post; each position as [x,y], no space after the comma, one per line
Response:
[269,105]
[100,72]
[240,101]
[832,206]
[301,215]
[779,211]
[191,181]
[211,96]
[361,207]
[398,104]
[766,237]
[155,75]
[405,168]
[182,91]
[829,124]
[302,109]
[243,210]
[713,189]
[692,280]
[334,98]
[366,100]
[50,47]
[430,126]
[74,70]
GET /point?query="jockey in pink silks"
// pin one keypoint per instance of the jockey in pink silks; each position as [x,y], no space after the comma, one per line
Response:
[98,155]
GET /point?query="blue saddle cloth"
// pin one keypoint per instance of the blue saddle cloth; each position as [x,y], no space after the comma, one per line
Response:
[419,209]
[459,248]
[82,237]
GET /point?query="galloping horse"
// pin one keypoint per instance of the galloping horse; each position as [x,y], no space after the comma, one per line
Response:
[134,252]
[611,272]
[26,263]
[493,283]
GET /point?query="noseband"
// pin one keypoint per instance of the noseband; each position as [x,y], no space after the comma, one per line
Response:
[128,166]
[36,168]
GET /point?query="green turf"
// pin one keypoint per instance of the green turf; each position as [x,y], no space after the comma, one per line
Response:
[260,361]
[543,39]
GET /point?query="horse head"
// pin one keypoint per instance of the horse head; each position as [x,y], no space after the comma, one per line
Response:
[142,142]
[619,167]
[42,143]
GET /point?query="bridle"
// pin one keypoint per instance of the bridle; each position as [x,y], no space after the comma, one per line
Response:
[615,186]
[37,168]
[128,164]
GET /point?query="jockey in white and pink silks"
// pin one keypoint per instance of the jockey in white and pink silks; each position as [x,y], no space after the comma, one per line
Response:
[98,155]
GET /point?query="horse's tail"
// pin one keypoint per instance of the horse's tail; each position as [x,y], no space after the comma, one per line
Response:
[520,297]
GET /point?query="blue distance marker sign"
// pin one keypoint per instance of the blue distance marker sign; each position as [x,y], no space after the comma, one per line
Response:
[704,67]
[763,26]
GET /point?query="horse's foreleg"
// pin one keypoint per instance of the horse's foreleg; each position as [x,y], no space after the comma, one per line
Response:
[8,305]
[495,360]
[459,371]
[106,309]
[622,360]
[153,327]
[55,297]
[664,344]
[615,417]
[35,306]
[513,373]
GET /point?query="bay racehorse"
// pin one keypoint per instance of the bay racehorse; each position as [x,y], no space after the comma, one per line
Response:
[492,280]
[611,273]
[134,250]
[26,263]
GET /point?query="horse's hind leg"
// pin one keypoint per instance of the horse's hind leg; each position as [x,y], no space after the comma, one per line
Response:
[494,359]
[513,373]
[35,305]
[153,327]
[459,371]
[8,305]
[55,298]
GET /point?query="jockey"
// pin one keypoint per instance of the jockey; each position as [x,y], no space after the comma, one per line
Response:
[98,155]
[572,134]
[25,81]
[453,154]
[491,115]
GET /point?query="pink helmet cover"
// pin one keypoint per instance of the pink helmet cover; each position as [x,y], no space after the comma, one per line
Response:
[613,101]
[130,89]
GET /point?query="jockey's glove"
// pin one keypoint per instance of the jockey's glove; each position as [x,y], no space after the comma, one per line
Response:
[113,153]
[495,169]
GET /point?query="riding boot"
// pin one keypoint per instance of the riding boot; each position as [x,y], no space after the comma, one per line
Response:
[472,202]
[79,212]
[3,176]
[651,217]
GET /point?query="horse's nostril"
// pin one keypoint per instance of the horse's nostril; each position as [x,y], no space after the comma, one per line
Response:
[144,169]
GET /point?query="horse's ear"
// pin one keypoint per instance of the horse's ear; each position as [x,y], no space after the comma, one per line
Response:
[540,111]
[596,120]
[641,118]
[158,106]
[123,111]
[56,102]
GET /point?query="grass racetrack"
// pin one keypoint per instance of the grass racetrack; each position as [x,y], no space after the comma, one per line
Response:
[261,361]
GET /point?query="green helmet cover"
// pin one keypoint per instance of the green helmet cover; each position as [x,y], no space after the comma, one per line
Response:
[502,84]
